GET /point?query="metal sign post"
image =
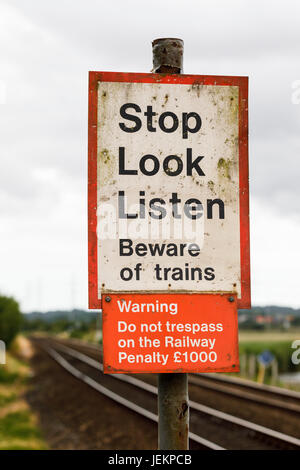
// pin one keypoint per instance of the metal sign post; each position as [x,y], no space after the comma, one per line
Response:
[173,397]
[168,225]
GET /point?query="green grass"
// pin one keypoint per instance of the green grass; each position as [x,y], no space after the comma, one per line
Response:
[18,431]
[277,342]
[5,399]
[18,425]
[7,377]
[269,335]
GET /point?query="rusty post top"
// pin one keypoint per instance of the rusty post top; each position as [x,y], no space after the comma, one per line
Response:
[167,55]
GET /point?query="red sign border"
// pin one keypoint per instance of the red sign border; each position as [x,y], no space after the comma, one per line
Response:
[242,83]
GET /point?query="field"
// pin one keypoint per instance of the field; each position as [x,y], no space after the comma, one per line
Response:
[279,343]
[269,336]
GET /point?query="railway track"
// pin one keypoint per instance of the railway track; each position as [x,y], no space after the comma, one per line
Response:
[210,428]
[274,397]
[286,400]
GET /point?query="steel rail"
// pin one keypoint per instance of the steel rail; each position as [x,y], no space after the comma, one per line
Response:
[118,398]
[274,393]
[248,425]
[244,394]
[271,389]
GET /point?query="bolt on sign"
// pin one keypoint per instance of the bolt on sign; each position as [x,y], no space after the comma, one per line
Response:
[168,219]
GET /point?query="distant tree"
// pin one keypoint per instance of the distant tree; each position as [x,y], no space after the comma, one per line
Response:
[10,319]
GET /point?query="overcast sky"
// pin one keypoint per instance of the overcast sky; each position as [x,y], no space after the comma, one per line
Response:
[47,49]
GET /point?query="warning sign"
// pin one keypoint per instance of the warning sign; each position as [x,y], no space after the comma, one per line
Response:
[168,186]
[167,333]
[168,219]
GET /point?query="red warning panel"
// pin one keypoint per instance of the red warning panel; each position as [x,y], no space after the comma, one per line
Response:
[157,333]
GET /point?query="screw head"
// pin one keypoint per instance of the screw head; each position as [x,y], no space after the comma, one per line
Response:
[107,298]
[230,299]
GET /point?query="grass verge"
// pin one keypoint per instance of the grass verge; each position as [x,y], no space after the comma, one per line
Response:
[18,425]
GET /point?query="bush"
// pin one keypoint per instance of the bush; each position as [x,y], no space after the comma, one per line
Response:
[10,319]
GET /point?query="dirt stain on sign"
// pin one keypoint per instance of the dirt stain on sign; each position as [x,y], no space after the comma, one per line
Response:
[107,163]
[225,167]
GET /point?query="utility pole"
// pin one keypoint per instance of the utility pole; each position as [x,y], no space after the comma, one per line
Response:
[173,404]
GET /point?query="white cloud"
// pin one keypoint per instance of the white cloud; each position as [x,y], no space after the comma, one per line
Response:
[275,256]
[46,50]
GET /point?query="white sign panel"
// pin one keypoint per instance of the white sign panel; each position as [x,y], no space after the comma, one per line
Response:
[168,187]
